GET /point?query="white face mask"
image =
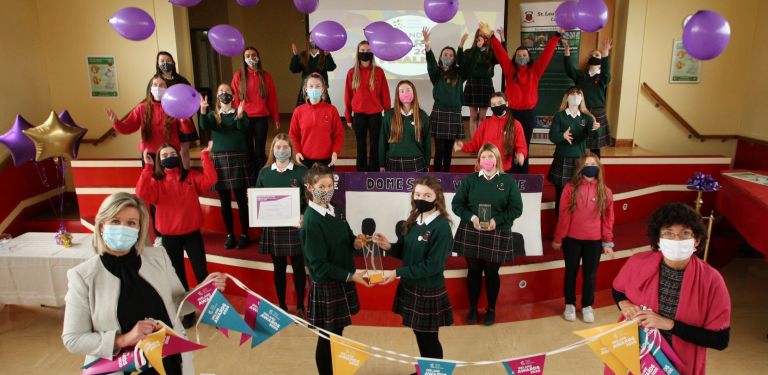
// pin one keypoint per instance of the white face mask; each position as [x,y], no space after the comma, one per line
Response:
[574,100]
[157,92]
[252,62]
[677,250]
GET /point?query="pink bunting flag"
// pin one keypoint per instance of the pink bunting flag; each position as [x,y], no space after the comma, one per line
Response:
[199,298]
[251,310]
[533,365]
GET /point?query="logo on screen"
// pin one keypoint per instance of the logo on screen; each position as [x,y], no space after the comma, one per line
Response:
[415,62]
[528,17]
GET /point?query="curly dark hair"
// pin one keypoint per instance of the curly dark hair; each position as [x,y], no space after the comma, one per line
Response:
[672,214]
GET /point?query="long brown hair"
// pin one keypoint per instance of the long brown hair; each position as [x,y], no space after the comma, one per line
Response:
[356,71]
[320,78]
[159,173]
[315,173]
[217,106]
[582,106]
[396,126]
[304,56]
[243,94]
[602,194]
[146,125]
[271,156]
[434,184]
[509,126]
[451,75]
[530,60]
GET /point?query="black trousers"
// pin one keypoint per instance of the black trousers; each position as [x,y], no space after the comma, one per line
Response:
[225,198]
[309,162]
[193,244]
[258,128]
[299,278]
[475,269]
[588,252]
[595,151]
[443,154]
[323,358]
[367,127]
[429,344]
[528,120]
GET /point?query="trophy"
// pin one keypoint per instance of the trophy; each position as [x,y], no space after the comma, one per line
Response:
[374,269]
[484,214]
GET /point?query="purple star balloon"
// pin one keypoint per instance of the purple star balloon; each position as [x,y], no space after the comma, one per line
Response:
[21,147]
[66,118]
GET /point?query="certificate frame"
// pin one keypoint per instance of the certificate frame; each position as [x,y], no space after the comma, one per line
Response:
[274,207]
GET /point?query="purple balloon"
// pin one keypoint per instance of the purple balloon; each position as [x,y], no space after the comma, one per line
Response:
[132,23]
[329,35]
[247,3]
[226,40]
[591,15]
[185,3]
[306,6]
[180,101]
[21,147]
[706,35]
[376,27]
[565,15]
[441,11]
[391,45]
[66,118]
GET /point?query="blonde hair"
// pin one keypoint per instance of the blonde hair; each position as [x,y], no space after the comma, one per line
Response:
[582,105]
[271,157]
[495,150]
[217,105]
[356,72]
[111,206]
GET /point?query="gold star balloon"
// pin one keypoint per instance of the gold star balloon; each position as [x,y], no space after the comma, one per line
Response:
[53,138]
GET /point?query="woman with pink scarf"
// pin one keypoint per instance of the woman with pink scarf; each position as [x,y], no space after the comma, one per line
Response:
[673,290]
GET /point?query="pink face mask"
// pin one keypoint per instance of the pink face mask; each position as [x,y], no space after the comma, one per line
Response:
[488,164]
[406,97]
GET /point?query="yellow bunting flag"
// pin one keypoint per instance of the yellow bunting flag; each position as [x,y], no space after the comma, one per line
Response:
[624,345]
[152,346]
[348,357]
[604,352]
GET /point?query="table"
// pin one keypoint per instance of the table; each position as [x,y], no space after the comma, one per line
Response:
[34,270]
[745,205]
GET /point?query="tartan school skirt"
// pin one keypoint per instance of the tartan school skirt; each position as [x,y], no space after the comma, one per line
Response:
[602,137]
[477,92]
[494,246]
[561,170]
[406,164]
[332,304]
[423,309]
[280,241]
[446,123]
[233,169]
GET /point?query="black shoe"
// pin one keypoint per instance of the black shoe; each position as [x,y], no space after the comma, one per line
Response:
[490,317]
[242,243]
[230,242]
[188,321]
[472,316]
[301,312]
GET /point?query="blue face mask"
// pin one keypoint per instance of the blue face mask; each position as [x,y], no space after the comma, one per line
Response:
[314,94]
[590,171]
[119,237]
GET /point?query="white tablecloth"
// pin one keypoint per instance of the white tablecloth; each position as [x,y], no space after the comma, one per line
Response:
[34,270]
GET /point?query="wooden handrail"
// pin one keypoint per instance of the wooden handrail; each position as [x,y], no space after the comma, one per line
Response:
[109,134]
[692,133]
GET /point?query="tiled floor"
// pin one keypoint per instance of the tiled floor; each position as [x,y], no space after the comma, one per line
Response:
[30,340]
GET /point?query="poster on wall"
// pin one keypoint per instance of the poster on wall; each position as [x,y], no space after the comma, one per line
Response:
[102,76]
[684,69]
[537,25]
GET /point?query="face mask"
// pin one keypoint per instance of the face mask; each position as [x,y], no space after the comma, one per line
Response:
[166,67]
[406,97]
[283,155]
[157,92]
[447,61]
[499,110]
[365,56]
[423,206]
[324,197]
[590,171]
[252,62]
[593,61]
[225,98]
[677,250]
[488,164]
[574,100]
[522,60]
[314,95]
[170,162]
[119,237]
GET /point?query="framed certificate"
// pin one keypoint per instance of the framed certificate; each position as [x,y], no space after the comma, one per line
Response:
[274,207]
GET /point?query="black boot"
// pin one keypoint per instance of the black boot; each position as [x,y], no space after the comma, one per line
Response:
[472,315]
[242,243]
[490,317]
[230,242]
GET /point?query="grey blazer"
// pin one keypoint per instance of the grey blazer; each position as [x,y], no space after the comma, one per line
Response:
[90,315]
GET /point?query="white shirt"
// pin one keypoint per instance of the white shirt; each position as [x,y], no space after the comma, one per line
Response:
[314,54]
[402,112]
[572,114]
[482,174]
[322,210]
[224,112]
[429,218]
[289,167]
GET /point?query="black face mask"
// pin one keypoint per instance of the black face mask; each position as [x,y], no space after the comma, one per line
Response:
[225,98]
[166,67]
[594,61]
[365,56]
[170,162]
[499,110]
[590,171]
[423,206]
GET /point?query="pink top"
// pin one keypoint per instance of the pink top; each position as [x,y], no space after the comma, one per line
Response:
[585,223]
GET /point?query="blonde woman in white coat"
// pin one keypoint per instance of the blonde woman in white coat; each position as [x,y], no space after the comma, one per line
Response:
[112,295]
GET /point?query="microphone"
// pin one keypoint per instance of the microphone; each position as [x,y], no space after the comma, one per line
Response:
[369,226]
